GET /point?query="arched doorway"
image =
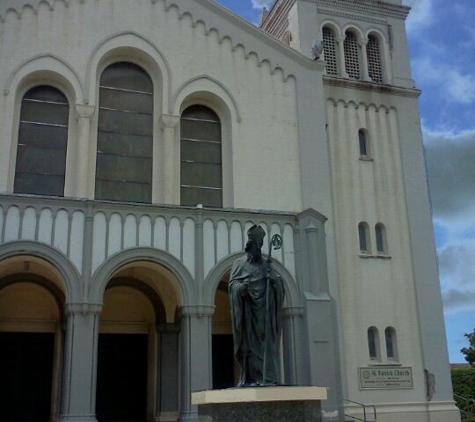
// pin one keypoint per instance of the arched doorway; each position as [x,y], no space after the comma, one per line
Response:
[31,344]
[136,380]
[225,370]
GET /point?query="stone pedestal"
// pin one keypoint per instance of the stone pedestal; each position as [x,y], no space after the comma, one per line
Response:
[276,404]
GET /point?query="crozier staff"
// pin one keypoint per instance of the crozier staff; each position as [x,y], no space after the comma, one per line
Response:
[256,296]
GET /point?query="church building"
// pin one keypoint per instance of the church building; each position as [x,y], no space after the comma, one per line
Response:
[141,139]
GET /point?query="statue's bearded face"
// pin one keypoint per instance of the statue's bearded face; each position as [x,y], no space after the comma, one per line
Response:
[253,250]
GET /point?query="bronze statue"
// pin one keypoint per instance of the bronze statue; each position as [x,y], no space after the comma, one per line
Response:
[256,296]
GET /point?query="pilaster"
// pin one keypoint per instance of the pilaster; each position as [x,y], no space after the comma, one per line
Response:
[195,348]
[83,171]
[168,123]
[79,386]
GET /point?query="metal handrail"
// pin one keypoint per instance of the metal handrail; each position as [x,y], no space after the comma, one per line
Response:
[365,416]
[469,411]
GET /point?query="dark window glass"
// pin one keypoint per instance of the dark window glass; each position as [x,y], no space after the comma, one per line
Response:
[363,143]
[380,246]
[125,136]
[42,142]
[201,166]
[390,336]
[362,232]
[372,347]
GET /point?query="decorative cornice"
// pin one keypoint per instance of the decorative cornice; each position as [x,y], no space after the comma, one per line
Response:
[370,86]
[373,7]
[350,16]
[188,9]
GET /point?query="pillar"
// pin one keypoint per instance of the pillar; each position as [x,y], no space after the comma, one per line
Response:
[168,379]
[364,61]
[195,357]
[79,386]
[83,171]
[169,162]
[341,53]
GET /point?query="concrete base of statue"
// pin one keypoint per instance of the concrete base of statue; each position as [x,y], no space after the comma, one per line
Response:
[276,404]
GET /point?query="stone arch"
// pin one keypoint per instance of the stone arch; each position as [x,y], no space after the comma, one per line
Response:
[293,296]
[208,91]
[104,273]
[68,273]
[206,88]
[130,47]
[151,294]
[41,281]
[333,25]
[45,69]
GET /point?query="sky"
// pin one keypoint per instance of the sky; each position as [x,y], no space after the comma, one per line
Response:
[442,48]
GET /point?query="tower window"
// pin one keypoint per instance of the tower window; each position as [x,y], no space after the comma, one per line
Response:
[363,234]
[375,71]
[352,55]
[381,245]
[329,50]
[373,343]
[363,144]
[391,343]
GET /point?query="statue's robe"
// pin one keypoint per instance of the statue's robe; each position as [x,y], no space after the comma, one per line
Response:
[256,325]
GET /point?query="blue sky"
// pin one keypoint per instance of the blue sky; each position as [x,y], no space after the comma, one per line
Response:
[442,47]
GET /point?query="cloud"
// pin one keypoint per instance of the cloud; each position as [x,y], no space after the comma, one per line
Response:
[421,14]
[451,172]
[458,86]
[450,165]
[259,4]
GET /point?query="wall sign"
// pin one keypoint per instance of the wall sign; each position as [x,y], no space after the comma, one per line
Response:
[386,378]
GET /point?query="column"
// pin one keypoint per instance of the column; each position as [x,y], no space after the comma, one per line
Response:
[195,357]
[83,173]
[341,53]
[168,380]
[169,162]
[79,386]
[294,346]
[364,60]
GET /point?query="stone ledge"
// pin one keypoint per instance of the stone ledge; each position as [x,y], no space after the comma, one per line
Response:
[259,394]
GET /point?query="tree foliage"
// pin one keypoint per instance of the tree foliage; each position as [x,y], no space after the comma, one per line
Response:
[463,381]
[469,352]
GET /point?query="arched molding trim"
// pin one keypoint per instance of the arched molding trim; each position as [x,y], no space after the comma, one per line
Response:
[45,69]
[333,25]
[106,270]
[376,107]
[293,297]
[134,48]
[66,269]
[208,87]
[41,281]
[149,292]
[209,92]
[356,30]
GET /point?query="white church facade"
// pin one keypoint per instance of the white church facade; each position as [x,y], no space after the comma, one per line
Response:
[139,140]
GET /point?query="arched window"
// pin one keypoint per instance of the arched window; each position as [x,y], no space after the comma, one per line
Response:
[363,144]
[381,243]
[125,137]
[201,168]
[352,55]
[329,50]
[391,343]
[375,70]
[373,344]
[42,141]
[363,233]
